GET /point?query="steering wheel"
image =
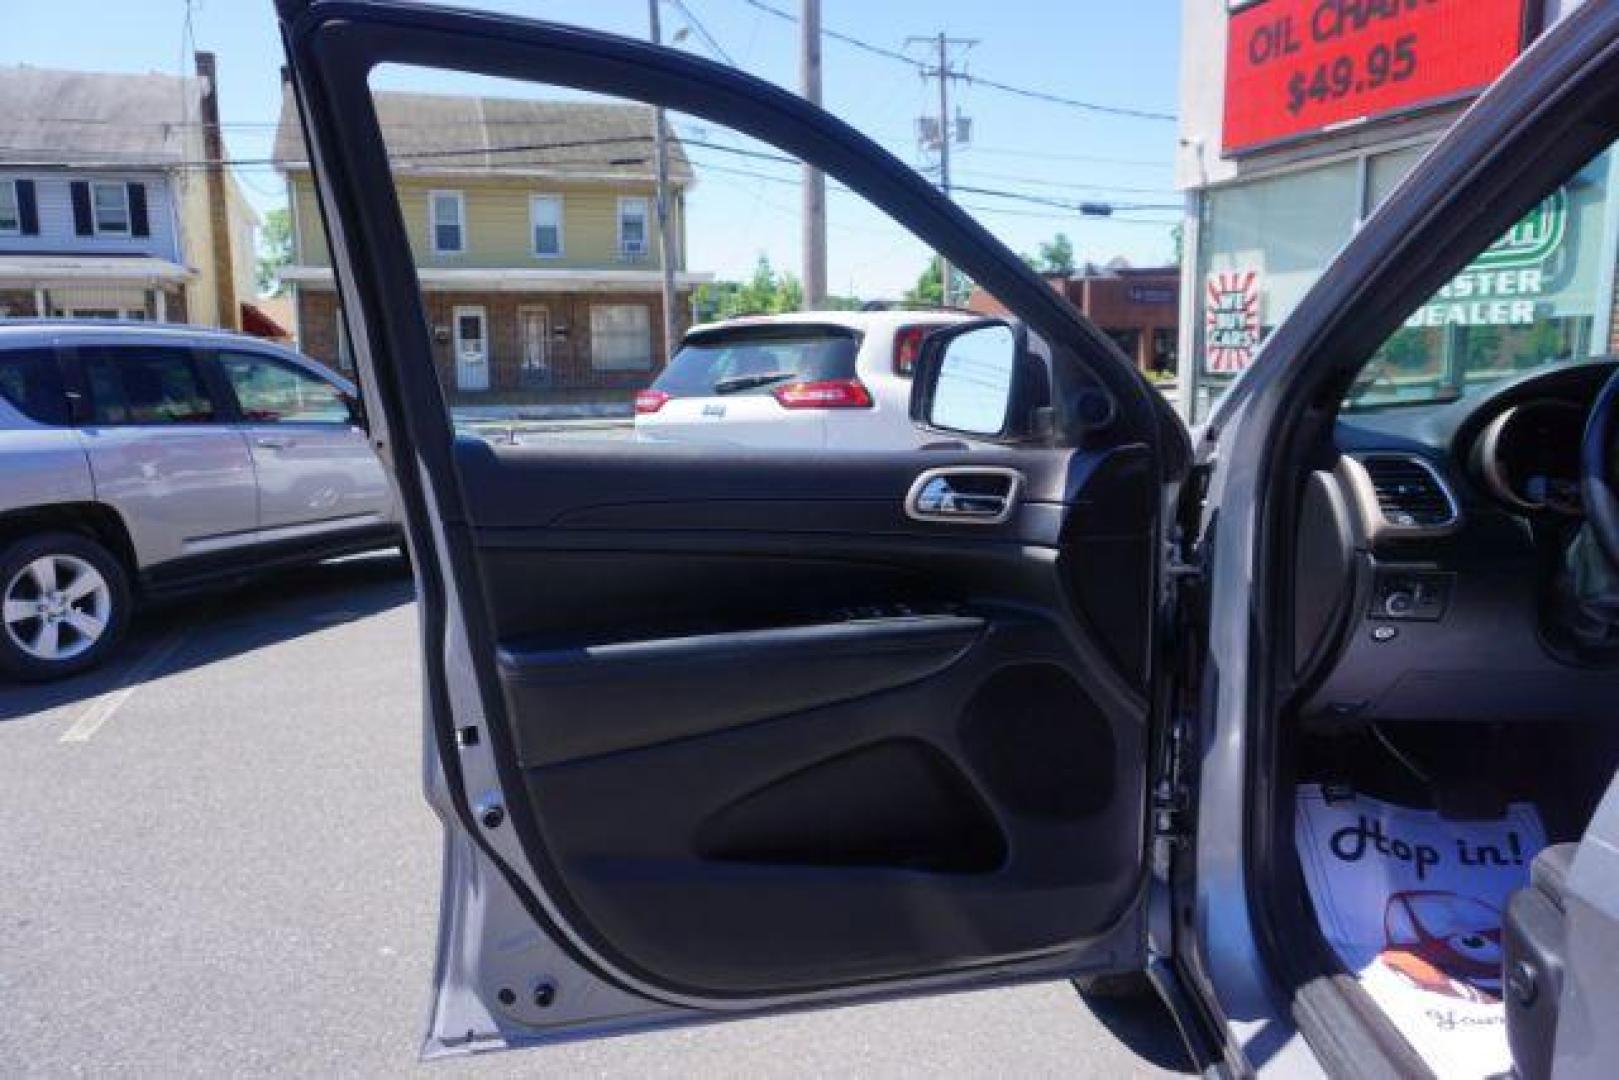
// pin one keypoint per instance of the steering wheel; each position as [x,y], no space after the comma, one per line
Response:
[1599,460]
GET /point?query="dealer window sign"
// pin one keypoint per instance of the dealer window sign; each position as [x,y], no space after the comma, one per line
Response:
[1502,286]
[1231,330]
[1296,68]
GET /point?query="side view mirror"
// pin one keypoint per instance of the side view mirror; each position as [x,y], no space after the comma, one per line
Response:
[356,411]
[979,379]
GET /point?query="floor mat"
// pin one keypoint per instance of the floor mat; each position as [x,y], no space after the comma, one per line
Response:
[1413,904]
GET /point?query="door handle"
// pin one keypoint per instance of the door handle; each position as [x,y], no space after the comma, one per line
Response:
[967,494]
[273,442]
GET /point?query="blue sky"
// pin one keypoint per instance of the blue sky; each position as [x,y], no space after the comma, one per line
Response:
[1114,54]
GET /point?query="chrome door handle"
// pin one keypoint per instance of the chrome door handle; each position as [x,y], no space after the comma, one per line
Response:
[273,442]
[965,494]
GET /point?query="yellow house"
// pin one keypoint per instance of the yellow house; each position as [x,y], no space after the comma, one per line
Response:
[534,230]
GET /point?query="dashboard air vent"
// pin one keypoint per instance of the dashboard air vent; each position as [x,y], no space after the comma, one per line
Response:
[1409,492]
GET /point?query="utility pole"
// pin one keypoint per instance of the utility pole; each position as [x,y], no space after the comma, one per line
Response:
[666,242]
[809,70]
[944,72]
[226,302]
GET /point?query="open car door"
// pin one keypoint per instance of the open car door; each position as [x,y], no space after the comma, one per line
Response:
[716,731]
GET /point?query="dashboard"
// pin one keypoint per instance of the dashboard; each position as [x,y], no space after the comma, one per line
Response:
[1529,456]
[1428,558]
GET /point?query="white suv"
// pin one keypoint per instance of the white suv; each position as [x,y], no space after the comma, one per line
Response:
[816,378]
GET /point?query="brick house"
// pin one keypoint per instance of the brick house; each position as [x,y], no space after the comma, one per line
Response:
[534,232]
[1138,307]
[105,211]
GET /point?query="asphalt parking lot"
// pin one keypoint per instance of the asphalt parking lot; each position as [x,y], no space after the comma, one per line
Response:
[216,859]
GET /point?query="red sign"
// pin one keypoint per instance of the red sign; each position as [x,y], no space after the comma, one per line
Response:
[1295,67]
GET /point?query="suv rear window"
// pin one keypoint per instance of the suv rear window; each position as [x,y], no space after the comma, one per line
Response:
[31,381]
[757,359]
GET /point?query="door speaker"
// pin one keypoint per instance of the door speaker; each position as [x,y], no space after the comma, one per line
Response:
[1039,743]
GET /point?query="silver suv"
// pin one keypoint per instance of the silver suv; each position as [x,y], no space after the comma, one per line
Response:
[143,461]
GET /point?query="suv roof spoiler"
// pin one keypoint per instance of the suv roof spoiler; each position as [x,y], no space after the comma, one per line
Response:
[915,305]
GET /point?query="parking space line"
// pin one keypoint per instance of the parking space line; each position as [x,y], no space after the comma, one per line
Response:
[105,707]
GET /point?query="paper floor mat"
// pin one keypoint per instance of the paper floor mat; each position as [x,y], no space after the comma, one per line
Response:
[1413,905]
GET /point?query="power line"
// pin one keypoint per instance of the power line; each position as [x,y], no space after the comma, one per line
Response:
[1084,209]
[1058,185]
[993,84]
[1087,208]
[1089,158]
[702,31]
[847,39]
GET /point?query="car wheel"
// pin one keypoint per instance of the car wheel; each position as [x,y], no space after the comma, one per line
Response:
[64,603]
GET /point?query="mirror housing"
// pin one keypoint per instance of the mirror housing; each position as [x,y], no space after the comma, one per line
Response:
[356,410]
[979,380]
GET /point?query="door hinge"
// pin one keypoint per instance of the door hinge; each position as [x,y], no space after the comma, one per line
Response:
[1172,791]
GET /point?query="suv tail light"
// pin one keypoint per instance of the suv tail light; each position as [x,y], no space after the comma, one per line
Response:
[907,347]
[826,394]
[650,401]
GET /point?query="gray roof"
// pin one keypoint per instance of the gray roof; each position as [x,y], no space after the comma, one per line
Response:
[491,135]
[60,117]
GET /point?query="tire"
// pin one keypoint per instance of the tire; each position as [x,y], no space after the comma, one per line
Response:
[46,633]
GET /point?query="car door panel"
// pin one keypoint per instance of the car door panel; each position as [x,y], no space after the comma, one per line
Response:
[184,491]
[736,729]
[753,693]
[315,478]
[316,472]
[184,486]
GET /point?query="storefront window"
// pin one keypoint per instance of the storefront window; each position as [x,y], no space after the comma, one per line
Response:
[1385,171]
[1128,341]
[1264,244]
[1532,298]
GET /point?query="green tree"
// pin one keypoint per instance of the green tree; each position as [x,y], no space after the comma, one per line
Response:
[275,249]
[1057,255]
[764,293]
[930,290]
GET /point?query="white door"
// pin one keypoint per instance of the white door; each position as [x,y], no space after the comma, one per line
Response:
[471,348]
[534,334]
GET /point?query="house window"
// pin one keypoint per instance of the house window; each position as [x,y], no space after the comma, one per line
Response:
[632,238]
[10,216]
[448,211]
[111,208]
[545,222]
[621,337]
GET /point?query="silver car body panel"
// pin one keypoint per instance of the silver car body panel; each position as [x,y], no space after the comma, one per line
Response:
[181,490]
[318,475]
[1587,1038]
[42,465]
[193,489]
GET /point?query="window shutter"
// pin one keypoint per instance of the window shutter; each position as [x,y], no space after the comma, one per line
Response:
[138,225]
[27,208]
[82,224]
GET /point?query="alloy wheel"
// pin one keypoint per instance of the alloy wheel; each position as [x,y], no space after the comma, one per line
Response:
[56,607]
